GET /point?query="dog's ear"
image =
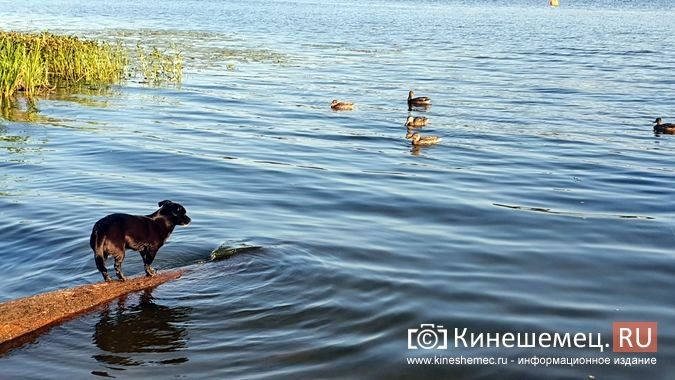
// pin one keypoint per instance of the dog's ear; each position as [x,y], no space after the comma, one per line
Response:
[162,203]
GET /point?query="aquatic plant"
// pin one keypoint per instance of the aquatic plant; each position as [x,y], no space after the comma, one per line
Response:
[245,55]
[157,66]
[33,63]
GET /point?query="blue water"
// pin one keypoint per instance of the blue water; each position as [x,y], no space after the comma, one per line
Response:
[547,207]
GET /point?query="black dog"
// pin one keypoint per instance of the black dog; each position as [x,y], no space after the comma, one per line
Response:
[145,234]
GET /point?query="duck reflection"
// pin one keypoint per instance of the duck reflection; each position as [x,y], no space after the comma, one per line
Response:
[128,334]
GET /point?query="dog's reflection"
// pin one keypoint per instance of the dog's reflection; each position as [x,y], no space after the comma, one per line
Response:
[130,334]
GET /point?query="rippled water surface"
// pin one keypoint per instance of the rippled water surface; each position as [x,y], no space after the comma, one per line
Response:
[547,207]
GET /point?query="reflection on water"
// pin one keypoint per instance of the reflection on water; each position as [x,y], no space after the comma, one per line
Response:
[98,96]
[419,108]
[143,327]
[19,109]
[575,214]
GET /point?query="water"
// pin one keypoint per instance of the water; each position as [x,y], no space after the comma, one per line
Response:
[546,208]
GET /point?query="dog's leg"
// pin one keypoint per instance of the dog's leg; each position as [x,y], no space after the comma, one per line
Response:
[149,271]
[100,264]
[148,256]
[118,266]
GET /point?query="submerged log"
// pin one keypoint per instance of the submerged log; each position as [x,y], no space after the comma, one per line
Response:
[24,316]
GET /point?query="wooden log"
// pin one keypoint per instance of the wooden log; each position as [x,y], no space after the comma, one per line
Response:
[21,317]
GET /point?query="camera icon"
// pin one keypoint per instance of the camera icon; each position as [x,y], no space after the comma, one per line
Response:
[428,337]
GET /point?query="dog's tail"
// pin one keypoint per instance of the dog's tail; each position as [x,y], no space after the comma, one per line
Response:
[96,239]
[96,243]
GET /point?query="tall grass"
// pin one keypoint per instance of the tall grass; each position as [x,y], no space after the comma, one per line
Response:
[33,63]
[12,61]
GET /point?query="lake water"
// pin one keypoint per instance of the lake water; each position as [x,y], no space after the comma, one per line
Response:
[547,207]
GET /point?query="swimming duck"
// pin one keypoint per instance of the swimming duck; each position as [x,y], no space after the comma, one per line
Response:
[341,106]
[661,127]
[418,121]
[418,140]
[421,101]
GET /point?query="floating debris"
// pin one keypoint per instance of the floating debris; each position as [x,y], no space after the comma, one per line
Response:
[226,251]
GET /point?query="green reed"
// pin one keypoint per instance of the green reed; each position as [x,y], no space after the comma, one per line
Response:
[33,63]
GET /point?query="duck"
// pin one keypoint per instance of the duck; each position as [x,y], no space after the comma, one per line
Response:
[422,101]
[341,106]
[661,127]
[418,121]
[418,140]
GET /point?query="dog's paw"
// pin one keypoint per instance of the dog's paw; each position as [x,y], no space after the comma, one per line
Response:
[150,271]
